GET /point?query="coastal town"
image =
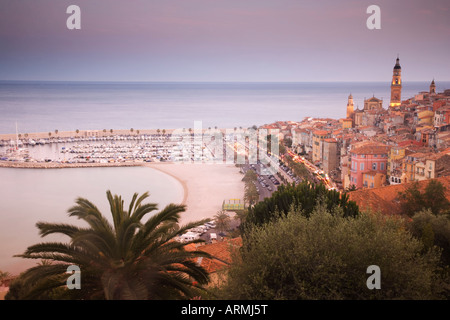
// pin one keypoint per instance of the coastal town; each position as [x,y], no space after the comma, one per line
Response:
[370,148]
[372,155]
[374,146]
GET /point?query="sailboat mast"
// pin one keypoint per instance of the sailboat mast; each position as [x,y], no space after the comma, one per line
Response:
[17,138]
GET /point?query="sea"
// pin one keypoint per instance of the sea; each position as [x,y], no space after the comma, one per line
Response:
[67,106]
[31,195]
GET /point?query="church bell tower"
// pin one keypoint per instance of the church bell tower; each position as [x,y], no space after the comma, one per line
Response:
[396,85]
[432,87]
[350,107]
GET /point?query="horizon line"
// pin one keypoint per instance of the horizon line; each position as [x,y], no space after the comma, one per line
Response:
[195,81]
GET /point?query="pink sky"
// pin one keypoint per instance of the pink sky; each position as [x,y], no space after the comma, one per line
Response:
[223,40]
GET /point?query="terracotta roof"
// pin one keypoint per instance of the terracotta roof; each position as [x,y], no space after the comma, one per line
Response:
[220,251]
[320,132]
[371,149]
[385,199]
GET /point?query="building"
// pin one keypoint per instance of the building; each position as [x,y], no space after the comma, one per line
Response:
[330,158]
[373,179]
[396,85]
[442,116]
[423,166]
[432,87]
[373,104]
[358,117]
[350,107]
[367,158]
[347,123]
[394,165]
[317,142]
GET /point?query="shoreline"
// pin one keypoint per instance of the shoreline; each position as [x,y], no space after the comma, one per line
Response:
[182,182]
[205,186]
[59,165]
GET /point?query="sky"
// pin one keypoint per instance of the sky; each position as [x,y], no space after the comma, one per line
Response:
[224,40]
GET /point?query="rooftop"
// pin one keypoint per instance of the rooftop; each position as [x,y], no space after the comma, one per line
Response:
[371,149]
[385,199]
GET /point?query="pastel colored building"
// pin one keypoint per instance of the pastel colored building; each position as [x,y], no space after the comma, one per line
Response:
[368,158]
[318,137]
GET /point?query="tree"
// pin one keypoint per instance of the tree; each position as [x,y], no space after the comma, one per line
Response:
[4,276]
[326,256]
[433,230]
[251,194]
[222,221]
[433,197]
[126,259]
[250,176]
[287,142]
[304,197]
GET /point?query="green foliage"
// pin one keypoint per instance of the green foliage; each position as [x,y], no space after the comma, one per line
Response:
[4,276]
[250,176]
[432,230]
[131,258]
[326,256]
[251,194]
[433,198]
[222,221]
[304,197]
[287,142]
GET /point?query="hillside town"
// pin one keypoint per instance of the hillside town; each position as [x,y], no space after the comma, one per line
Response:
[373,146]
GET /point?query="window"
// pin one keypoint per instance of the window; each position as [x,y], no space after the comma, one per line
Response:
[374,166]
[371,184]
[382,166]
[361,167]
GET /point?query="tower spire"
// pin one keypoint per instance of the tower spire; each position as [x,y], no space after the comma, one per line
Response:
[396,84]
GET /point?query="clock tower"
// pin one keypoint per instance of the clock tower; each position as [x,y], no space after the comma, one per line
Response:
[396,85]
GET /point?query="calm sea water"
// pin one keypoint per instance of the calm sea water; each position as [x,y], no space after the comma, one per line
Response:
[32,195]
[46,106]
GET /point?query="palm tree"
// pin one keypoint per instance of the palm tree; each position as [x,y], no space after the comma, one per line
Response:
[128,259]
[222,221]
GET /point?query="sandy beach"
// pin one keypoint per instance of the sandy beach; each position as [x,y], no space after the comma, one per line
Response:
[205,186]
